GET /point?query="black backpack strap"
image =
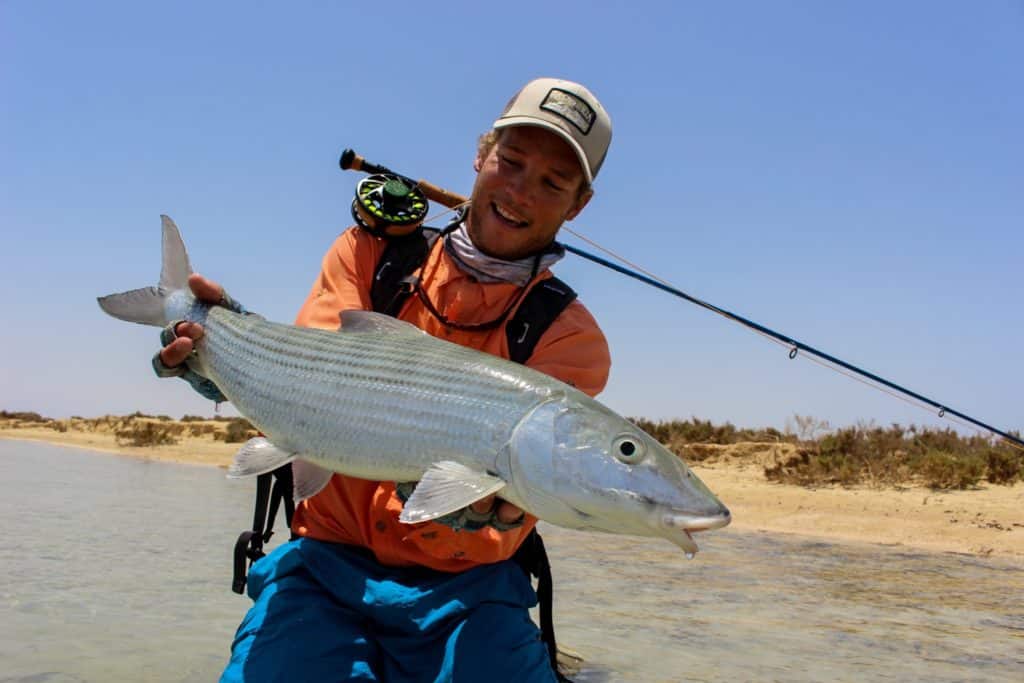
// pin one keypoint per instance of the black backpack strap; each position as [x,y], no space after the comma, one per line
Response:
[272,488]
[539,308]
[401,257]
[541,305]
[532,558]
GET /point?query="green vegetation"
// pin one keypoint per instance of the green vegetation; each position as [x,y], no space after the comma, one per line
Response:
[239,429]
[149,434]
[702,431]
[860,455]
[140,414]
[809,452]
[23,416]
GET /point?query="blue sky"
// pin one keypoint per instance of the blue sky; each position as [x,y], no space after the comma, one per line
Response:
[846,173]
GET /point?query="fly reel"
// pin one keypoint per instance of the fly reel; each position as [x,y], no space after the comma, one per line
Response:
[389,206]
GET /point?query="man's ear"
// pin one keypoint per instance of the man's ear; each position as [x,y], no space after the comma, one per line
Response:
[478,163]
[580,203]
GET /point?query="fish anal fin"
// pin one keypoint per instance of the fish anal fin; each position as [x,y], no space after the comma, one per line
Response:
[309,478]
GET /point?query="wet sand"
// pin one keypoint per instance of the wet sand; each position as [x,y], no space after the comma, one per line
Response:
[988,520]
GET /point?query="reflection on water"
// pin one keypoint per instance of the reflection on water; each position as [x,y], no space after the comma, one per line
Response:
[119,569]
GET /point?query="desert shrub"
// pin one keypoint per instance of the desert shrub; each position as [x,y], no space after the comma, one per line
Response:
[766,434]
[239,430]
[58,426]
[681,432]
[862,454]
[202,429]
[839,458]
[806,428]
[948,441]
[1003,465]
[681,447]
[146,434]
[943,470]
[192,418]
[24,416]
[809,468]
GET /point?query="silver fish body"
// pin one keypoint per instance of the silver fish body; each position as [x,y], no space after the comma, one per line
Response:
[381,400]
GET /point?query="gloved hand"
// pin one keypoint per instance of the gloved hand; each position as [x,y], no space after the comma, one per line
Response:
[179,337]
[490,511]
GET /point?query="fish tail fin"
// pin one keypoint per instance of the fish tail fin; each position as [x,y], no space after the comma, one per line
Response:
[147,306]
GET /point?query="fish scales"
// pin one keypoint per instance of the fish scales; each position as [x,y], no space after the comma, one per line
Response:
[402,374]
[371,402]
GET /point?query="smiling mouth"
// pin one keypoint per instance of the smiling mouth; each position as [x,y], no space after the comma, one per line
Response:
[508,217]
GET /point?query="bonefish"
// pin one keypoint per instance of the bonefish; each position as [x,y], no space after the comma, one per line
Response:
[380,399]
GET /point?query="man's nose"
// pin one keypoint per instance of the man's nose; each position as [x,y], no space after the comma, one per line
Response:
[518,187]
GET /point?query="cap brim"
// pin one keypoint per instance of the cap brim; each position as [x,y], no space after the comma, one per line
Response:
[558,130]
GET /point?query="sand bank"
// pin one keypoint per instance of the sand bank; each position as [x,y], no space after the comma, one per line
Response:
[985,521]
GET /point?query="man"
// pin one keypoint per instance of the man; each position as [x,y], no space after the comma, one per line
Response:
[361,596]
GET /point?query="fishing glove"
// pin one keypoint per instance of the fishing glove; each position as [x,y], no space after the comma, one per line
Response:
[203,385]
[466,518]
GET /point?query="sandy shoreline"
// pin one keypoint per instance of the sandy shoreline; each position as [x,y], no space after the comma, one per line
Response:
[985,521]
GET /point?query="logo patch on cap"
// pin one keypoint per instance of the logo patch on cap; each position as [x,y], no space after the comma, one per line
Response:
[570,107]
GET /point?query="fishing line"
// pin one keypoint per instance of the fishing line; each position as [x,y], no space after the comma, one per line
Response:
[819,361]
[352,161]
[794,345]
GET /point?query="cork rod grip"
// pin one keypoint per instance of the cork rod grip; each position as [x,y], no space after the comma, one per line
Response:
[440,195]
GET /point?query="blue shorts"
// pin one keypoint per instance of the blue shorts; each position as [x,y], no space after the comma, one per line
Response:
[326,612]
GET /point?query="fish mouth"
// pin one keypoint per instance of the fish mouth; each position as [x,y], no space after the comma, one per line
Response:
[680,528]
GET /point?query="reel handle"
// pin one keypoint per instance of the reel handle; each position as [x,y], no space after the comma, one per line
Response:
[350,161]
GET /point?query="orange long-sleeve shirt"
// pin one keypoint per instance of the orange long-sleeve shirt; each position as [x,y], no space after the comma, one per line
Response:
[365,513]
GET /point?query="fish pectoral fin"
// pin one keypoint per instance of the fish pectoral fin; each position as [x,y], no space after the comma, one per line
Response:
[310,479]
[258,456]
[446,487]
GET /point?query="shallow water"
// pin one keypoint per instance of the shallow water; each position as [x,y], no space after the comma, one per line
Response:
[114,568]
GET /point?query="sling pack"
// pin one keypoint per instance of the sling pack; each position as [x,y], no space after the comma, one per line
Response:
[391,287]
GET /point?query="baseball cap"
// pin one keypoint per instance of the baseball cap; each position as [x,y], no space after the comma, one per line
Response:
[568,110]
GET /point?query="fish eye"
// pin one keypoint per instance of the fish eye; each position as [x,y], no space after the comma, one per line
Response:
[628,449]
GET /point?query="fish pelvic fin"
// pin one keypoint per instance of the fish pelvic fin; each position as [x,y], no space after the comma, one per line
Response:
[148,305]
[258,456]
[446,487]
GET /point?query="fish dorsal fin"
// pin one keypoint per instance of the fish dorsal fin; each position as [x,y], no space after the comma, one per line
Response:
[446,487]
[176,268]
[368,321]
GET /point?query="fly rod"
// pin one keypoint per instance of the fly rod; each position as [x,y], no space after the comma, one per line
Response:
[352,161]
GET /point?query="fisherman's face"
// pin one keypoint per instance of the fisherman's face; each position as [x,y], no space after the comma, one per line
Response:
[526,186]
